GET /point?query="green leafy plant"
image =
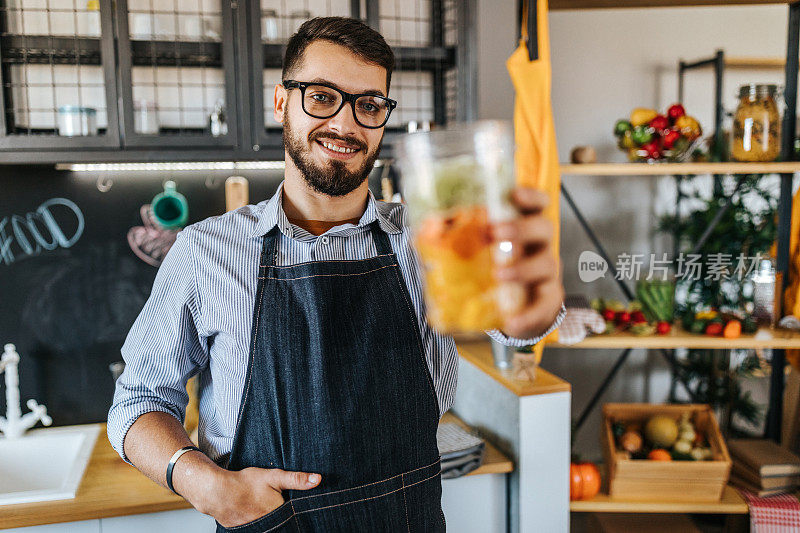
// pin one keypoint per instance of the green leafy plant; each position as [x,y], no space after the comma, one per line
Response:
[746,228]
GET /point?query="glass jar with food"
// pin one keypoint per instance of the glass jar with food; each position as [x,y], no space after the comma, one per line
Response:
[457,182]
[756,134]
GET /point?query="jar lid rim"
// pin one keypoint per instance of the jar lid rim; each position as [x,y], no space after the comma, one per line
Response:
[758,89]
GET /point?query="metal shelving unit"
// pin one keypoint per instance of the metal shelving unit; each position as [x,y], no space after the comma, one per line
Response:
[786,170]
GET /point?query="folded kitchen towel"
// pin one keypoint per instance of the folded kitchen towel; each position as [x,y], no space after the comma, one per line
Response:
[773,514]
[461,452]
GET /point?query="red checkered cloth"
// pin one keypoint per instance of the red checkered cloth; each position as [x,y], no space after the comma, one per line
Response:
[773,514]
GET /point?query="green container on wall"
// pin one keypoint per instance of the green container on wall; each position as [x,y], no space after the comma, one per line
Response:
[170,208]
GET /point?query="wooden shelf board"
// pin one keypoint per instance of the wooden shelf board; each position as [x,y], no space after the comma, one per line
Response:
[619,4]
[479,353]
[730,503]
[670,169]
[678,338]
[755,62]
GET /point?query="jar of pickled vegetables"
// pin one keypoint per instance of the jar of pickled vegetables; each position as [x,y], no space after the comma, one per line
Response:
[456,183]
[756,124]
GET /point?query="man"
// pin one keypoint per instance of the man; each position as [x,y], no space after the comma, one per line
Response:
[321,381]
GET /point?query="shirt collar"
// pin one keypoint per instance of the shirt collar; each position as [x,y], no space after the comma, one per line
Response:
[272,215]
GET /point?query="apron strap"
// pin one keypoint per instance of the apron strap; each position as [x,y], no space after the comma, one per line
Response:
[382,244]
[269,250]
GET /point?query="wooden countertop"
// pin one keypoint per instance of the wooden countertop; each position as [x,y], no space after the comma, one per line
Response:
[111,487]
[494,462]
[479,353]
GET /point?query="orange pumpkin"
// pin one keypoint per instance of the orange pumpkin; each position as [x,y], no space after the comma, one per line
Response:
[584,481]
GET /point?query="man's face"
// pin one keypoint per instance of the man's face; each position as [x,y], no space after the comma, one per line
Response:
[329,171]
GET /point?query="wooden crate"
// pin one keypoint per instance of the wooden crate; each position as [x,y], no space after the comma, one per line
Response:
[645,480]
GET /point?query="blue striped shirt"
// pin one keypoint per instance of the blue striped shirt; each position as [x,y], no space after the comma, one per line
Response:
[198,317]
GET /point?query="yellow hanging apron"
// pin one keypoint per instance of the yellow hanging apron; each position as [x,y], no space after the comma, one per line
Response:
[536,154]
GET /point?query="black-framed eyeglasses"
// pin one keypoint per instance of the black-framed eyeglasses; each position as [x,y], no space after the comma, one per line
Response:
[321,100]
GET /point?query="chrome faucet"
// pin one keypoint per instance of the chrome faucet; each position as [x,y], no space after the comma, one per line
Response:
[14,424]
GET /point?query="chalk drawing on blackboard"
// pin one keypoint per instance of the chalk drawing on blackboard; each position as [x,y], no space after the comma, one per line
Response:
[40,230]
[151,242]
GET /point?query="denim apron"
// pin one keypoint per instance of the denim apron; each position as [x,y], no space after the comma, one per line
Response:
[337,384]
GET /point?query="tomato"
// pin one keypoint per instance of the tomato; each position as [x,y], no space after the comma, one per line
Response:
[652,149]
[675,111]
[670,136]
[609,315]
[714,328]
[584,481]
[638,317]
[663,327]
[623,317]
[659,123]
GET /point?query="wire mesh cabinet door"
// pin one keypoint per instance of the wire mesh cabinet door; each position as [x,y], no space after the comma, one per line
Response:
[274,22]
[177,74]
[57,76]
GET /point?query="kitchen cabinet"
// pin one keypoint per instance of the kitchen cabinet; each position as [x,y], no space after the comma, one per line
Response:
[52,57]
[160,74]
[176,63]
[471,503]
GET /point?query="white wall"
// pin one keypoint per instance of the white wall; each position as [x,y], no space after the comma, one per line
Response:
[606,62]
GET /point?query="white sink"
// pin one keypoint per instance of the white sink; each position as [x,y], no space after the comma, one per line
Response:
[45,464]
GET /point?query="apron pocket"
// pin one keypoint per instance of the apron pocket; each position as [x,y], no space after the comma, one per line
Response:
[269,522]
[408,502]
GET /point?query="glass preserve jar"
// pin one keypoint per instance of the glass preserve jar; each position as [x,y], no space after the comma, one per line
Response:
[756,124]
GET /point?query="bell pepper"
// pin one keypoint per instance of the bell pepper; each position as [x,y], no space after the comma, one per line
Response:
[641,116]
[642,135]
[689,127]
[621,127]
[626,141]
[732,329]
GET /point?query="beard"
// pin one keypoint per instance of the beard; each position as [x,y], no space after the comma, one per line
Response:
[332,179]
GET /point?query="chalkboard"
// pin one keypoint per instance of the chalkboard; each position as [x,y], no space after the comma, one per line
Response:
[70,285]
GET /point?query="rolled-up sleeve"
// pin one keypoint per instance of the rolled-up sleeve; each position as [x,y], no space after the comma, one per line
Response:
[164,348]
[505,340]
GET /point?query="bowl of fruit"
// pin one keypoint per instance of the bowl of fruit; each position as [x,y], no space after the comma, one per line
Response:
[648,136]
